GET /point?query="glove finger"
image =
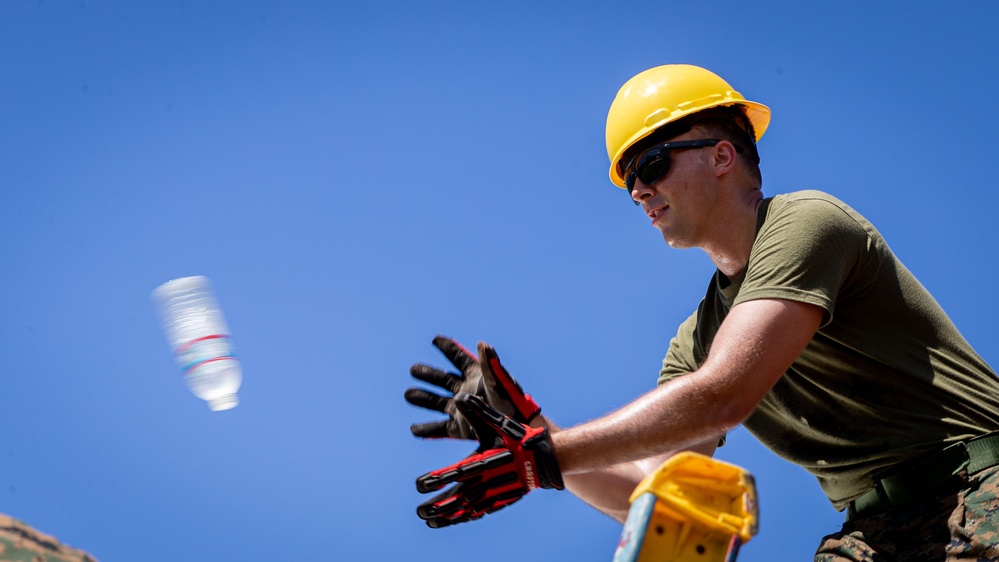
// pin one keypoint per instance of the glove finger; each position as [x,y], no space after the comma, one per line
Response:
[458,507]
[495,504]
[441,523]
[462,515]
[471,499]
[436,377]
[450,428]
[501,387]
[431,430]
[466,469]
[457,354]
[500,486]
[428,400]
[490,361]
[442,505]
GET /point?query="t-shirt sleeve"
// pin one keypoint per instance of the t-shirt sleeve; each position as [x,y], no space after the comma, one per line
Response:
[807,250]
[685,356]
[684,351]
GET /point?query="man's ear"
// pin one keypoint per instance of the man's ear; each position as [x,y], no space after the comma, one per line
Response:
[725,157]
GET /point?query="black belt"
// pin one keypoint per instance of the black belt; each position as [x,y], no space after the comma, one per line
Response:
[919,479]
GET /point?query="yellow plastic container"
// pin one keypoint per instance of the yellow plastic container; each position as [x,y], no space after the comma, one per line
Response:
[691,509]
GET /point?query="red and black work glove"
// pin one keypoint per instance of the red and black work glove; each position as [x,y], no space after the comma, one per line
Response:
[487,380]
[512,459]
[502,390]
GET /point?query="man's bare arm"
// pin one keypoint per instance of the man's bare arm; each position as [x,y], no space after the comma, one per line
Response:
[608,490]
[753,348]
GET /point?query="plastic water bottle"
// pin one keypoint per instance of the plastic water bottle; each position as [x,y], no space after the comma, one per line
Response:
[200,339]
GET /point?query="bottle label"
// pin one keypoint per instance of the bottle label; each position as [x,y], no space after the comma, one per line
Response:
[206,349]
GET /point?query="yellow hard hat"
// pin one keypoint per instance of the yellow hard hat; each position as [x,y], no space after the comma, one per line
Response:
[665,94]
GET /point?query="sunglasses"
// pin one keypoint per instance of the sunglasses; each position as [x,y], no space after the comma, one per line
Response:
[650,166]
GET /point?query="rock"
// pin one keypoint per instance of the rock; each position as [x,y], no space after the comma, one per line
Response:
[20,542]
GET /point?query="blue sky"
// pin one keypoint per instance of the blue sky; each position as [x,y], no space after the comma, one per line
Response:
[358,177]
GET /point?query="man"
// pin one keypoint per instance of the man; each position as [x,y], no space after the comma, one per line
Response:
[812,334]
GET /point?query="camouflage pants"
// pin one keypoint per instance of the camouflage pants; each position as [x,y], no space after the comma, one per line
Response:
[961,526]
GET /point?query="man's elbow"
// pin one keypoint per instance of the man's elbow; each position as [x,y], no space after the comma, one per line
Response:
[731,407]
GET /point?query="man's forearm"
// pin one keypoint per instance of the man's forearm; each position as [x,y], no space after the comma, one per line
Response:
[680,417]
[754,347]
[608,490]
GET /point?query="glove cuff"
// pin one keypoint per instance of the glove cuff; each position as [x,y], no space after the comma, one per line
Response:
[546,468]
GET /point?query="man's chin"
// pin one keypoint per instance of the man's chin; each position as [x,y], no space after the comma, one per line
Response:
[674,241]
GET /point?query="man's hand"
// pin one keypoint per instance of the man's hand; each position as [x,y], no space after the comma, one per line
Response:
[469,380]
[485,378]
[501,389]
[512,459]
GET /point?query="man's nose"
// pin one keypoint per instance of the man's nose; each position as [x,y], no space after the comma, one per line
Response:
[641,192]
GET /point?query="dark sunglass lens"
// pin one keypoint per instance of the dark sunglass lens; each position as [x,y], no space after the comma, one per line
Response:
[653,168]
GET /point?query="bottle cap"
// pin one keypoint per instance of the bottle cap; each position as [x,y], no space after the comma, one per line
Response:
[226,402]
[182,284]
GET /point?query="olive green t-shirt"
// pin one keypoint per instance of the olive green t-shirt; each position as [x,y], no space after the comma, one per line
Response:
[886,378]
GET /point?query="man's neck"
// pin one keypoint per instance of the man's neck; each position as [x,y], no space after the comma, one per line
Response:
[733,240]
